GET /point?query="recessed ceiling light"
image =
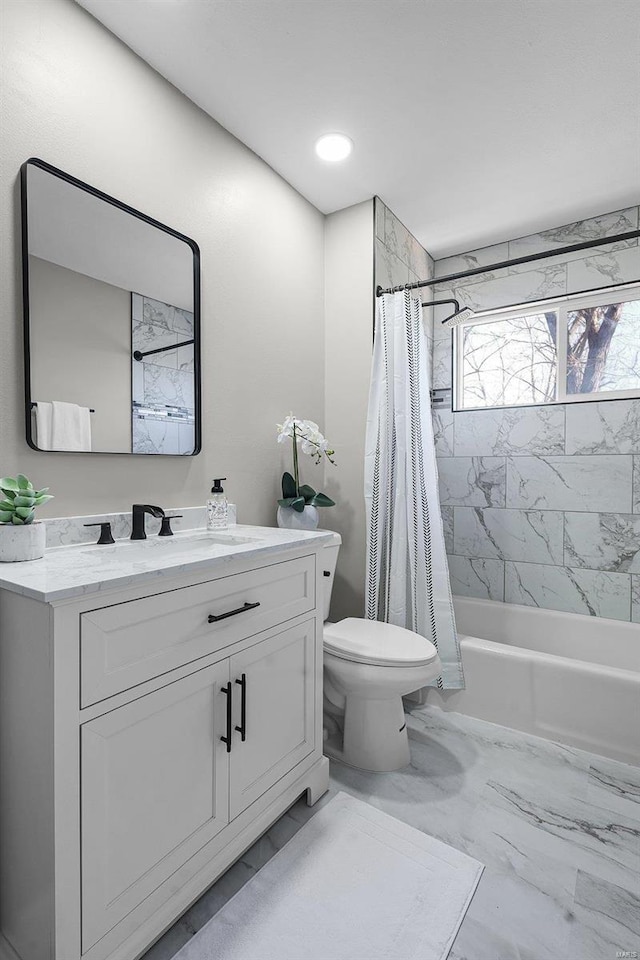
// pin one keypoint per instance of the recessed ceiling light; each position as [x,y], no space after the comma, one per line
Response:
[334,146]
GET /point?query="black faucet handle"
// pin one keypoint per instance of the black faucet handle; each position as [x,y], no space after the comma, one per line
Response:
[165,527]
[105,531]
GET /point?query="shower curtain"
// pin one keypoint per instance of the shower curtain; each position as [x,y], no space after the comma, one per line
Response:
[407,572]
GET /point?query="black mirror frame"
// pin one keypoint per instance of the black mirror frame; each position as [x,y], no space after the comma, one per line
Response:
[43,165]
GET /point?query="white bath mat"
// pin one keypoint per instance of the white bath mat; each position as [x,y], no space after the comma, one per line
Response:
[352,884]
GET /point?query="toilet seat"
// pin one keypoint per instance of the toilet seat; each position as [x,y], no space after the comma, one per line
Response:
[376,643]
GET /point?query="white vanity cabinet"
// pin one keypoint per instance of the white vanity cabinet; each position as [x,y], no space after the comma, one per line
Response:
[147,738]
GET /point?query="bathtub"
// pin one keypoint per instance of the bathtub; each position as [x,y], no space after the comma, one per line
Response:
[562,676]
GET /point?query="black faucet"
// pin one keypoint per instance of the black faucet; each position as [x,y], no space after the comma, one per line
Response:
[138,511]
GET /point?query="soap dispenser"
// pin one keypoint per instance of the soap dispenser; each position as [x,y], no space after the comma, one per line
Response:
[217,507]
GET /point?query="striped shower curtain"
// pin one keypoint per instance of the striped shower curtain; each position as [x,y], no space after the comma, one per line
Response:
[407,572]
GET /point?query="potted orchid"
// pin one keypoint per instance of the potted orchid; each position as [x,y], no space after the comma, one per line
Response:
[298,507]
[20,537]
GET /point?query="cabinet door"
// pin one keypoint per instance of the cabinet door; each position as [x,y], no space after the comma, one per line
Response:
[154,791]
[279,691]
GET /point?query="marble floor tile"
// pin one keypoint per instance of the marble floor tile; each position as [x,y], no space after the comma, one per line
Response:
[601,842]
[556,828]
[607,920]
[614,786]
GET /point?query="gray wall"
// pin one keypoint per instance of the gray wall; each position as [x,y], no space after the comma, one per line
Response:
[75,96]
[538,504]
[348,343]
[82,355]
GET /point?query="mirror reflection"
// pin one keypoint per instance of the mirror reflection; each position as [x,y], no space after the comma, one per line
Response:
[111,324]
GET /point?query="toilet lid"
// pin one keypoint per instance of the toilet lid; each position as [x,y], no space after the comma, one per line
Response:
[369,641]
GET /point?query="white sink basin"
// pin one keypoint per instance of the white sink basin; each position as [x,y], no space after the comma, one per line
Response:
[175,545]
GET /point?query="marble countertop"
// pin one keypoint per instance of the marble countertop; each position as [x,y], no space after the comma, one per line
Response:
[84,569]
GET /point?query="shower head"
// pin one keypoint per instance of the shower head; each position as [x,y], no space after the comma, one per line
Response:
[458,317]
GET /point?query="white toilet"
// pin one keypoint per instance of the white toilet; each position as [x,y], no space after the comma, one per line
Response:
[368,668]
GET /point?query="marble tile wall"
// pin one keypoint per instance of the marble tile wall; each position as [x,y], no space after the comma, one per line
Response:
[398,256]
[541,506]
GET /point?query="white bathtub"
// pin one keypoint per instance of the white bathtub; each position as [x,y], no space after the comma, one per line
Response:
[562,676]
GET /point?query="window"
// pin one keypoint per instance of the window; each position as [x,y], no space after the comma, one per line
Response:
[572,349]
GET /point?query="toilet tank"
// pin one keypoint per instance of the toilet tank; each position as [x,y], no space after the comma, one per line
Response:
[329,559]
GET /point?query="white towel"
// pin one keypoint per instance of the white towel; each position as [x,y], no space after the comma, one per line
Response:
[70,426]
[43,424]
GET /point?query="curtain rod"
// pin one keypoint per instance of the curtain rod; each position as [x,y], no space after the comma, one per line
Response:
[585,245]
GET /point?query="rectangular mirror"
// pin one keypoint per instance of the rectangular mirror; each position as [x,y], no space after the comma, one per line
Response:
[111,323]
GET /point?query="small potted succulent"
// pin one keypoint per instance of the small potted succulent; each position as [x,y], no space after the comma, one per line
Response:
[297,508]
[20,537]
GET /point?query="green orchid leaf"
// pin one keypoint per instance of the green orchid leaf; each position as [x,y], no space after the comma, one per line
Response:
[24,501]
[6,516]
[307,492]
[298,504]
[286,502]
[18,521]
[25,513]
[23,482]
[288,486]
[322,500]
[8,483]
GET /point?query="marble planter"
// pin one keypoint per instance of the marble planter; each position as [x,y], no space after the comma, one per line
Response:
[24,542]
[290,519]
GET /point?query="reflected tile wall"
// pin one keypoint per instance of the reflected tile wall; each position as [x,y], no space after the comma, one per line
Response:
[541,505]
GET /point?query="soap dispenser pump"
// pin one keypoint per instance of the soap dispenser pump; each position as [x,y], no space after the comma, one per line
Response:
[217,507]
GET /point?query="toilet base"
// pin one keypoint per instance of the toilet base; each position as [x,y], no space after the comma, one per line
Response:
[375,735]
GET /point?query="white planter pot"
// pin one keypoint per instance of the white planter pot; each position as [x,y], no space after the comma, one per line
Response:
[290,519]
[26,542]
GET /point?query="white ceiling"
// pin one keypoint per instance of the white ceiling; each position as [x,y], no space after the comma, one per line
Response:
[474,120]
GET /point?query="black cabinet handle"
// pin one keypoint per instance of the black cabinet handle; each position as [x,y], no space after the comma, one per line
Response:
[242,729]
[212,618]
[227,689]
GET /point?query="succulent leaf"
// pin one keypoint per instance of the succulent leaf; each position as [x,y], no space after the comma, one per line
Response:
[20,499]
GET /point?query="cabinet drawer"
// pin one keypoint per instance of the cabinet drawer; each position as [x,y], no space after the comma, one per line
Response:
[126,644]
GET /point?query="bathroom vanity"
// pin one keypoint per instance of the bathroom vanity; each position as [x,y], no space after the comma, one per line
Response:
[160,707]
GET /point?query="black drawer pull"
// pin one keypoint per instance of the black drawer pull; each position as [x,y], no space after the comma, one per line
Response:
[227,689]
[212,618]
[242,729]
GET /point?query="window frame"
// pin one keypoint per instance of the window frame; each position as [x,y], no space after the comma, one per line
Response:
[563,305]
